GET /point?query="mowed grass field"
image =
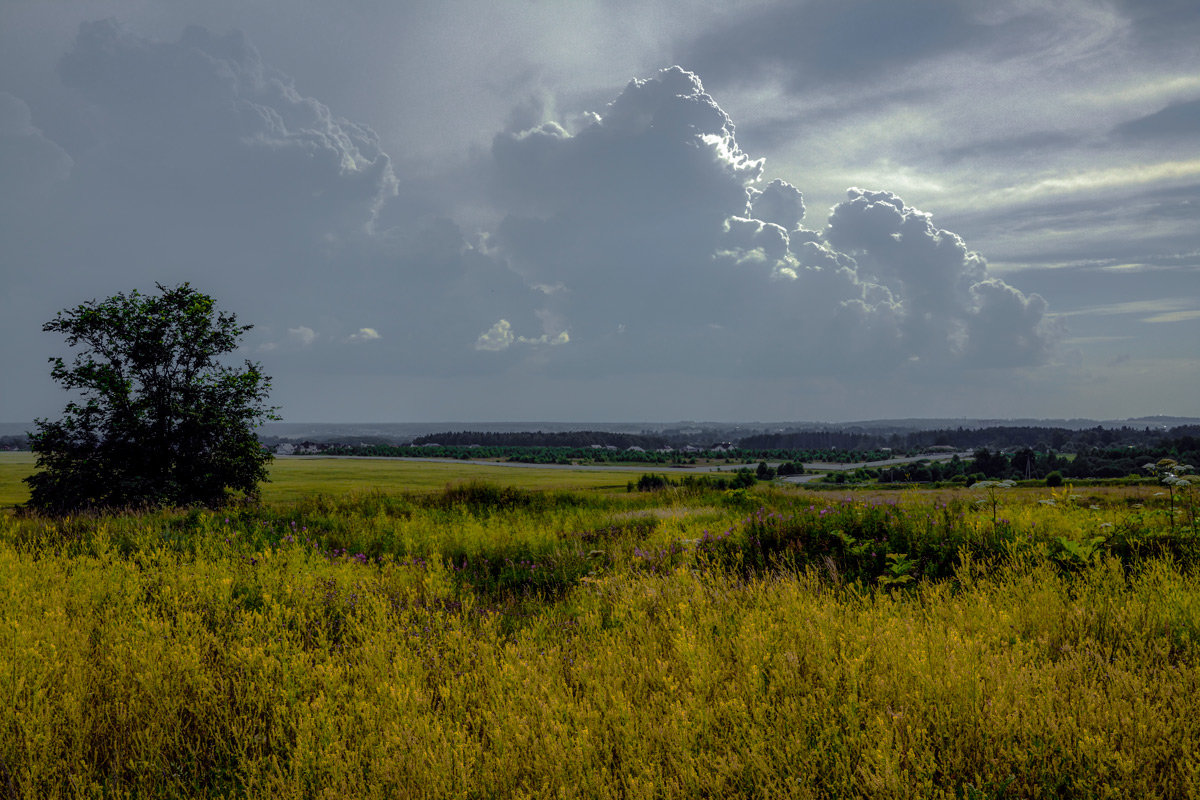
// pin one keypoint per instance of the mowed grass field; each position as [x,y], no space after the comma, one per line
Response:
[293,479]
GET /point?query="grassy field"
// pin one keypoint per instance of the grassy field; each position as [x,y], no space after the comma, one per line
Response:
[293,479]
[492,640]
[13,468]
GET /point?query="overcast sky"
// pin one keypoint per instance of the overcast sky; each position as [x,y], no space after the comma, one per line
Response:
[624,210]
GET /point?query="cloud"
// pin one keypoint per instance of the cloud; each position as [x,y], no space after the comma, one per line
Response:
[809,42]
[302,335]
[1157,307]
[779,203]
[496,338]
[668,252]
[31,166]
[200,161]
[1176,121]
[1174,316]
[364,335]
[207,130]
[636,243]
[500,337]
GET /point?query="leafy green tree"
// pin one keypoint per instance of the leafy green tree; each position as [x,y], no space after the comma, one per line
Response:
[156,418]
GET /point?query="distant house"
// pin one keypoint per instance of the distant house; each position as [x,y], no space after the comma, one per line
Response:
[285,449]
[635,449]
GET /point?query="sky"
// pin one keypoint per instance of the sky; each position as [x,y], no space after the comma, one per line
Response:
[609,210]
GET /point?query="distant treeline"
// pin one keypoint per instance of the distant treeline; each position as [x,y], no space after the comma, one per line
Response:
[544,439]
[1026,463]
[527,455]
[1042,439]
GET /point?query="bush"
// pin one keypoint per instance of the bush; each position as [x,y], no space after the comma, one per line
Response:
[1054,479]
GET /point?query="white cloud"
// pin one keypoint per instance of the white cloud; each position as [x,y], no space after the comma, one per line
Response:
[500,337]
[1174,316]
[496,338]
[652,212]
[302,335]
[364,335]
[1156,307]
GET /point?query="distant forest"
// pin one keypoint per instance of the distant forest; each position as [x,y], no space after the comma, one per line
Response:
[1018,452]
[994,452]
[1061,440]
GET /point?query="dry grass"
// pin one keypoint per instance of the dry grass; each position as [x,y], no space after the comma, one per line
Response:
[499,643]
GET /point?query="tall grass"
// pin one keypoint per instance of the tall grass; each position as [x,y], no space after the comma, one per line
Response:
[484,642]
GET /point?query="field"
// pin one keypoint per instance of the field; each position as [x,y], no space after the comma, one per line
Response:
[295,478]
[376,629]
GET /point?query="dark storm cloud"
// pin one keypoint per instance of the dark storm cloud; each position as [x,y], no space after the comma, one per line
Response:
[203,123]
[203,163]
[629,247]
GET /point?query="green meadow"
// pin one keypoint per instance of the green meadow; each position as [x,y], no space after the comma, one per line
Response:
[293,479]
[405,629]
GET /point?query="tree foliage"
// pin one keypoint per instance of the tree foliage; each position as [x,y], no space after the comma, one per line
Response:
[156,418]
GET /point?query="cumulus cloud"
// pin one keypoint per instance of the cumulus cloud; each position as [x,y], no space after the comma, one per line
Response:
[637,240]
[779,203]
[653,222]
[496,338]
[500,337]
[625,212]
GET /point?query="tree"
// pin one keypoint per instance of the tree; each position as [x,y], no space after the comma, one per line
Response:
[156,419]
